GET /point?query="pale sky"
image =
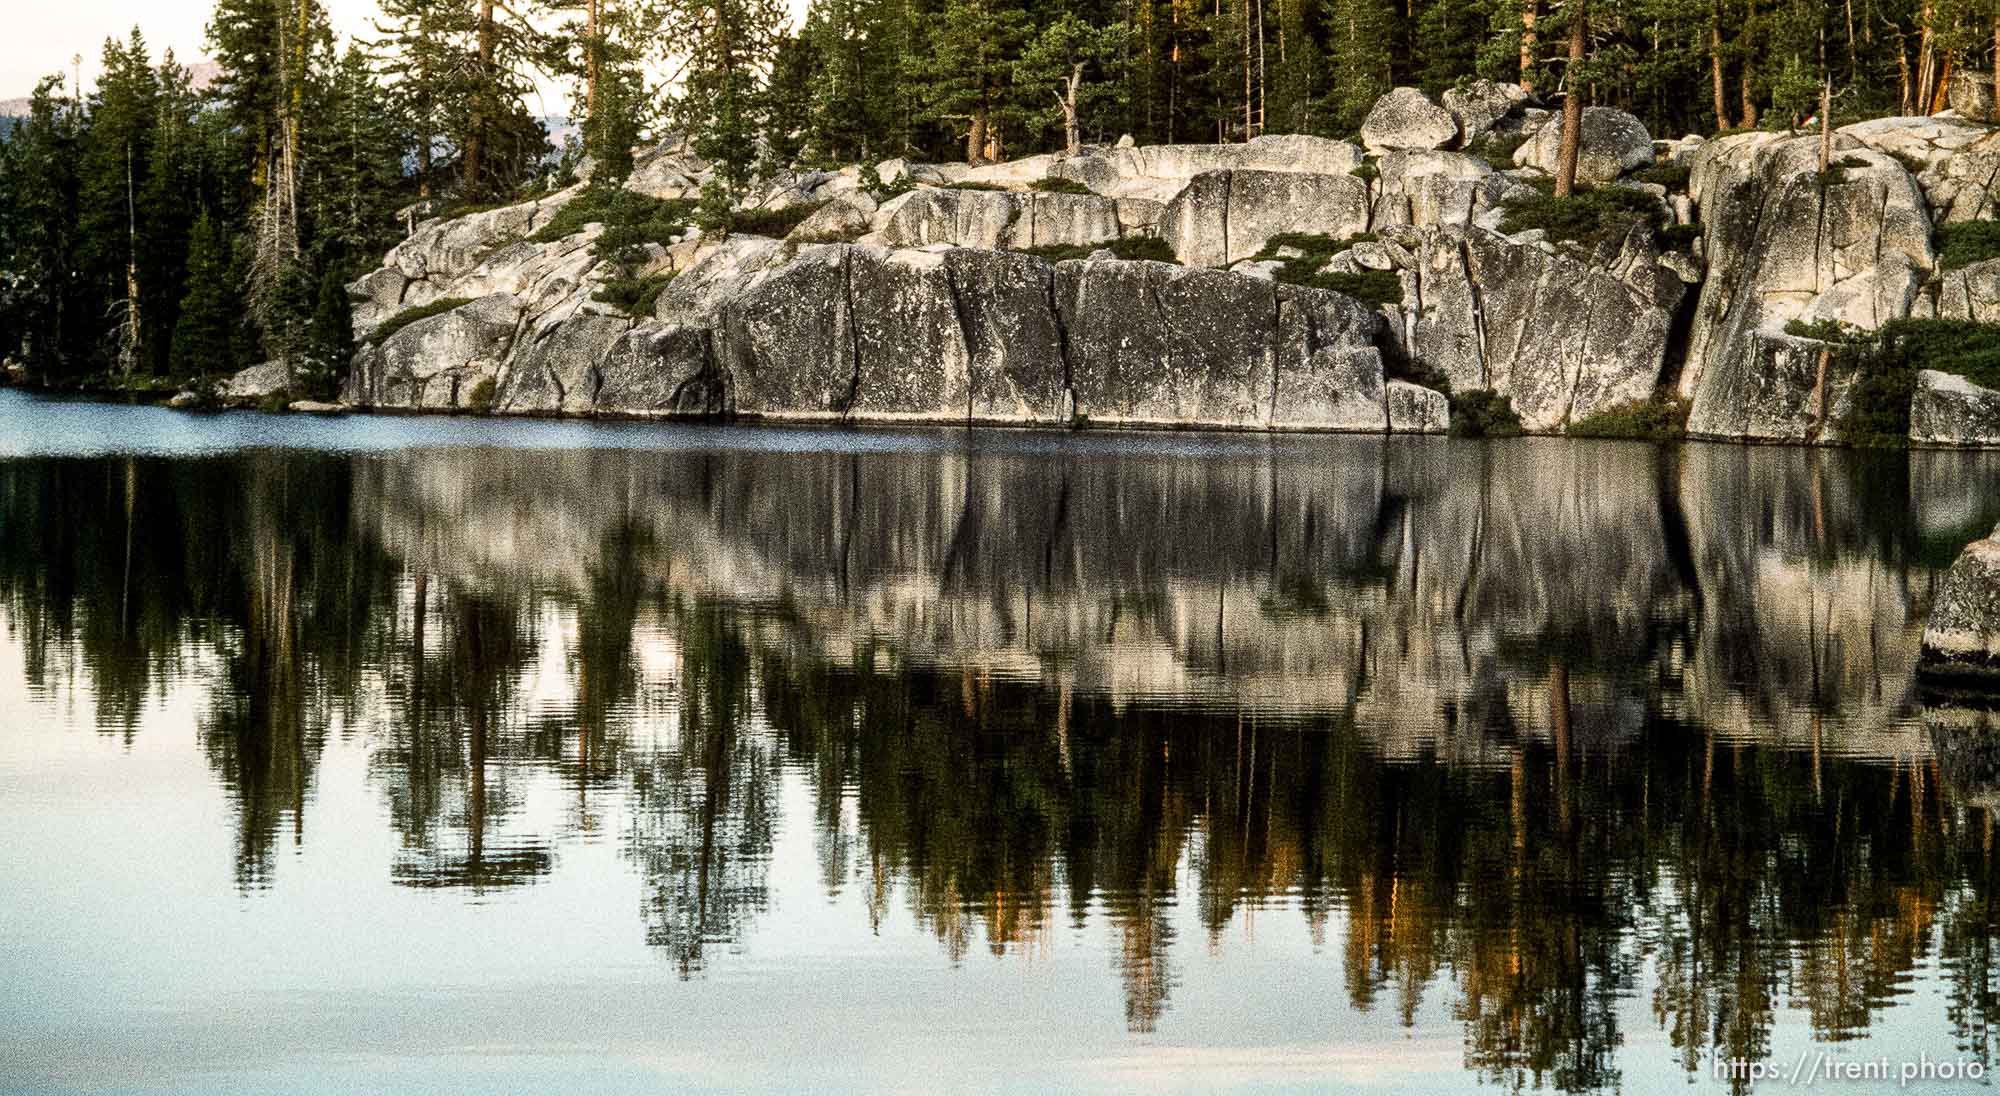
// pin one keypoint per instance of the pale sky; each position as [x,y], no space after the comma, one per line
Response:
[43,38]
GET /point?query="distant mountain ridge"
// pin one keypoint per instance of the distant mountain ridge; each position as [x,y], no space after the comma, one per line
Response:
[203,74]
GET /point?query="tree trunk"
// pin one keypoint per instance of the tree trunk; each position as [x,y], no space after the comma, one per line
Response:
[1994,112]
[1825,125]
[1749,118]
[1715,71]
[1572,134]
[475,138]
[1528,15]
[593,49]
[1072,133]
[975,136]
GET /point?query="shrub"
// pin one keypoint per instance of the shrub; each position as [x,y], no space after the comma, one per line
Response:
[1377,287]
[1886,363]
[634,295]
[771,222]
[1587,217]
[1663,417]
[1366,171]
[1678,237]
[1823,330]
[1483,413]
[275,402]
[481,396]
[1150,248]
[409,316]
[1315,245]
[1054,185]
[1666,173]
[1967,242]
[630,219]
[1498,149]
[974,186]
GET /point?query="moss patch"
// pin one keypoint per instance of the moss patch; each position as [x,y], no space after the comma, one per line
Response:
[409,316]
[481,396]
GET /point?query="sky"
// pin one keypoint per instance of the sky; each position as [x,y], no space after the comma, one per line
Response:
[53,32]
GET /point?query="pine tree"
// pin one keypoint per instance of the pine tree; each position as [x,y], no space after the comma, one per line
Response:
[1076,64]
[969,73]
[206,336]
[117,164]
[1358,55]
[56,316]
[329,338]
[729,45]
[354,153]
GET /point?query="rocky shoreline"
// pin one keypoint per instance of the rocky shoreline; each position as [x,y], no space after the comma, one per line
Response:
[996,295]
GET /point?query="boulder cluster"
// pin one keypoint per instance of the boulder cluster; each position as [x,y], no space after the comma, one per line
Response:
[947,291]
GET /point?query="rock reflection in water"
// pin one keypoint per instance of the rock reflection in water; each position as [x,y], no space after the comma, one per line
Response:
[1537,726]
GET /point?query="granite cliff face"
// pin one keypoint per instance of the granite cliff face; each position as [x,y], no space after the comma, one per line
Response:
[920,300]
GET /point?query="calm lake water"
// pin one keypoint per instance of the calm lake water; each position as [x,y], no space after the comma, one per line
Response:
[371,753]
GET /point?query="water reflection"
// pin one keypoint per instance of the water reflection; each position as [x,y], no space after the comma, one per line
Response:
[1523,731]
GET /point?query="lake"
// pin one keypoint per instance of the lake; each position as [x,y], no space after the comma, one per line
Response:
[472,755]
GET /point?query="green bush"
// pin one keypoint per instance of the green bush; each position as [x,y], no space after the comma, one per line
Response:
[634,295]
[973,186]
[409,316]
[481,396]
[1678,237]
[1366,171]
[1498,149]
[1377,287]
[1663,417]
[1886,363]
[275,402]
[777,223]
[1314,244]
[630,219]
[1967,242]
[1823,330]
[1150,248]
[1666,173]
[1054,185]
[1587,217]
[1483,413]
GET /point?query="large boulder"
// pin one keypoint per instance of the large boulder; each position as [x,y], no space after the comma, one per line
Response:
[1962,186]
[1158,172]
[1225,216]
[841,219]
[1614,143]
[996,219]
[1480,105]
[555,367]
[443,362]
[256,383]
[1560,335]
[1414,409]
[662,368]
[441,250]
[1962,635]
[668,170]
[1014,341]
[1434,188]
[1972,95]
[1783,244]
[1971,292]
[1947,409]
[1158,343]
[1407,119]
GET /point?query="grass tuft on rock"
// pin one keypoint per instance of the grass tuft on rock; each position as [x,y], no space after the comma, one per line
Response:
[1966,243]
[1587,217]
[409,316]
[1148,248]
[481,396]
[1483,413]
[1666,173]
[1661,417]
[1054,185]
[1498,149]
[1376,287]
[973,185]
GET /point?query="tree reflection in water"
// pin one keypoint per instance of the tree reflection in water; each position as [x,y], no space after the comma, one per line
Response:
[1528,747]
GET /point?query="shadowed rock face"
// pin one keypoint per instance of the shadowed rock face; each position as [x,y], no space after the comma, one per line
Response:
[1782,246]
[1760,592]
[1950,410]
